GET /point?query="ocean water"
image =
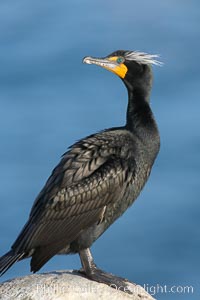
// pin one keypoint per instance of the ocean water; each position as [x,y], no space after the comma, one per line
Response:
[49,99]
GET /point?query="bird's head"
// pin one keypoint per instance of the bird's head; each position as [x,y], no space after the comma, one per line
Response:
[134,68]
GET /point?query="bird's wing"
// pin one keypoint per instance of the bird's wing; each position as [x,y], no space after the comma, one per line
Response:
[90,176]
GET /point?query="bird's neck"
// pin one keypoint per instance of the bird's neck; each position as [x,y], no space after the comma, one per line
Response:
[140,119]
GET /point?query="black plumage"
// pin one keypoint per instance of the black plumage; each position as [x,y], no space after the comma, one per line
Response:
[97,179]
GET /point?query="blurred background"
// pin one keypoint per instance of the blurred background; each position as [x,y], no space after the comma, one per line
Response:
[49,99]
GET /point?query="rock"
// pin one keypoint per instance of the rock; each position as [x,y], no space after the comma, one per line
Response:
[65,285]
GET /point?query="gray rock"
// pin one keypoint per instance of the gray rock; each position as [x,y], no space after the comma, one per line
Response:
[65,285]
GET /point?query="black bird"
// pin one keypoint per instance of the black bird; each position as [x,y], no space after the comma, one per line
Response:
[97,179]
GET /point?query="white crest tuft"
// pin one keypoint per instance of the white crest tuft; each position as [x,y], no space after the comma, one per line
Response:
[143,58]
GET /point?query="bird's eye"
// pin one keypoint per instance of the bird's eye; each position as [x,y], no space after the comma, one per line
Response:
[120,60]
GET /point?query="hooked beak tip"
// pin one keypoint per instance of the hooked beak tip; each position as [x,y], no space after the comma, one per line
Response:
[87,60]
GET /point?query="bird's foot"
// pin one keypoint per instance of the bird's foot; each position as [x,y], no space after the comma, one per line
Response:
[109,279]
[91,271]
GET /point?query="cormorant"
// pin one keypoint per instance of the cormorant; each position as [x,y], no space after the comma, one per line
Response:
[97,179]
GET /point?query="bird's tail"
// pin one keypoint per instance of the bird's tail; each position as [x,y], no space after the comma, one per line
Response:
[8,259]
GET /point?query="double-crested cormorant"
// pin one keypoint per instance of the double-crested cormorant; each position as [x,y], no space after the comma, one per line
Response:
[97,179]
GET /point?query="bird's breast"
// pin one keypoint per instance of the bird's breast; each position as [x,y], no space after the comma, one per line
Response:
[131,189]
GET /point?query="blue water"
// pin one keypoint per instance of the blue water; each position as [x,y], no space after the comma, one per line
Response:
[49,99]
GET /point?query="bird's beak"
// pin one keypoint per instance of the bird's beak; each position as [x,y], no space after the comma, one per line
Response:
[109,64]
